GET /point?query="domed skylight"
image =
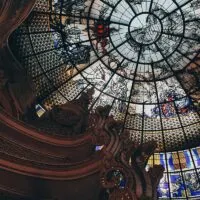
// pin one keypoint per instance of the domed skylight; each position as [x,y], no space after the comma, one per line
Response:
[137,55]
[142,58]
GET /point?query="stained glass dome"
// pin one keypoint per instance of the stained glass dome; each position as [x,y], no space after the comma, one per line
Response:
[141,57]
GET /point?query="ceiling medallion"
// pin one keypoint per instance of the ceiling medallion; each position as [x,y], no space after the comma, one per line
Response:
[151,32]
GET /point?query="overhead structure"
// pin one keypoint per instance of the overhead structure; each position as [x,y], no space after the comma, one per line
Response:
[140,57]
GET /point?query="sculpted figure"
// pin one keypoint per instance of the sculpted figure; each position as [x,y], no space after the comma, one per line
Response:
[74,114]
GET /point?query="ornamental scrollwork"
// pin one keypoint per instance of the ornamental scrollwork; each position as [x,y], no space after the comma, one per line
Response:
[123,174]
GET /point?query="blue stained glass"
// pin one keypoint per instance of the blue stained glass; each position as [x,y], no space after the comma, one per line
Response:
[196,157]
[162,160]
[163,189]
[185,184]
[99,148]
[170,162]
[177,187]
[192,183]
[188,159]
[122,183]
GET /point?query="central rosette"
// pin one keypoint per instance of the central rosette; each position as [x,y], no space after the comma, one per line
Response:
[138,33]
[145,28]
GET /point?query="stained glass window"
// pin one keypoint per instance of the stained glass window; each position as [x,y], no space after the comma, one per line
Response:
[141,57]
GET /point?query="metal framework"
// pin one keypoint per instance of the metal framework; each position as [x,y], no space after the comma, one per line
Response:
[142,58]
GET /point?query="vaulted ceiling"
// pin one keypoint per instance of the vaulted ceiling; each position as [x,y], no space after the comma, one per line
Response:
[142,58]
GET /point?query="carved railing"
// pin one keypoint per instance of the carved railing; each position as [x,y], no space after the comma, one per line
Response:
[123,173]
[119,166]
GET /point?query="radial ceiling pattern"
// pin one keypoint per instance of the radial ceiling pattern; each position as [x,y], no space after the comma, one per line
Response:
[142,58]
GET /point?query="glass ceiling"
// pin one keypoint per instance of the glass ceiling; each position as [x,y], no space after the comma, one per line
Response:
[135,54]
[181,178]
[142,58]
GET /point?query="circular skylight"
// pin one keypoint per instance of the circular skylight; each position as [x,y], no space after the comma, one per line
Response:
[141,57]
